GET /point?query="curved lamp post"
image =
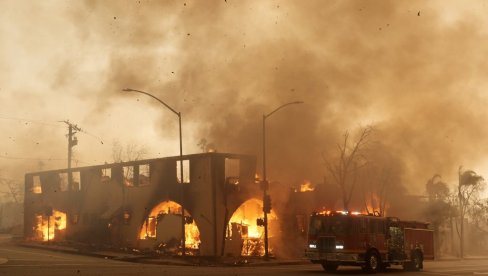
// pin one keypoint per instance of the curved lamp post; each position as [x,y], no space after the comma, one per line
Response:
[181,163]
[266,199]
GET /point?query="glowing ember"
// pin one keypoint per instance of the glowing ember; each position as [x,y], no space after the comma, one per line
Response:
[149,228]
[306,187]
[252,235]
[48,228]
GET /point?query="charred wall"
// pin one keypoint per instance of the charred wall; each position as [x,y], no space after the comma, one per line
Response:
[108,204]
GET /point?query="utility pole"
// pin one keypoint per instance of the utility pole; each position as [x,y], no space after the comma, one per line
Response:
[72,141]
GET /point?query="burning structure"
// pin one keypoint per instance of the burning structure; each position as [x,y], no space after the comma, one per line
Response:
[137,204]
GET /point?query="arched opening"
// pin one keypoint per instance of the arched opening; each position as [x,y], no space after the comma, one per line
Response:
[163,224]
[244,236]
[50,226]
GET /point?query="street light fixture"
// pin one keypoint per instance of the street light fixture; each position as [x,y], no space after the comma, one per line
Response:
[181,163]
[266,198]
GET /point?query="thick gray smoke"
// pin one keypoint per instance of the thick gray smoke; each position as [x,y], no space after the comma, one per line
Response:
[414,69]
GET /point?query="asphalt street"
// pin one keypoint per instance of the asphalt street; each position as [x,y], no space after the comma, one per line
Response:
[16,261]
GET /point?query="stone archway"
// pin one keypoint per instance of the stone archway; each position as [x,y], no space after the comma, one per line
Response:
[244,236]
[161,229]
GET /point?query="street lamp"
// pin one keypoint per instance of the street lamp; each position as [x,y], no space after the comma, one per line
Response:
[266,198]
[181,163]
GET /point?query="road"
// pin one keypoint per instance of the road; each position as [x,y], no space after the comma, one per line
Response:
[16,260]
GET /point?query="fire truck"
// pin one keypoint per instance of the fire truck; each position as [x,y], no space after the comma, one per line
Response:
[367,240]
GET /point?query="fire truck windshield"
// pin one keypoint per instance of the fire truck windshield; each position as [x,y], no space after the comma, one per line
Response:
[332,225]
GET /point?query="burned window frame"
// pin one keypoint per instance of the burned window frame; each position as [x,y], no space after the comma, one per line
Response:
[36,187]
[74,182]
[186,171]
[106,176]
[128,182]
[229,168]
[147,178]
[63,181]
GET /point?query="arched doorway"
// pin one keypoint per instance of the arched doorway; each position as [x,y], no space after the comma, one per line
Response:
[163,226]
[244,236]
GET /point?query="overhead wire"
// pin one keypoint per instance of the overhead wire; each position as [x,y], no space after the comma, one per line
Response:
[47,123]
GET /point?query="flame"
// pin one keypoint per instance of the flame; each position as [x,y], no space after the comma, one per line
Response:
[148,229]
[306,186]
[47,228]
[192,236]
[373,204]
[252,235]
[340,212]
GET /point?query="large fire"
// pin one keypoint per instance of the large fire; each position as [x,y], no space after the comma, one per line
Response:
[252,235]
[49,227]
[149,228]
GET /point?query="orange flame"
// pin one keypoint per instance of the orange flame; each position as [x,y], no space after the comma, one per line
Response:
[47,228]
[374,204]
[306,187]
[148,229]
[252,235]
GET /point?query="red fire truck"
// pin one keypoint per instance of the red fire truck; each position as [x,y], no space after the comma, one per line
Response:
[369,241]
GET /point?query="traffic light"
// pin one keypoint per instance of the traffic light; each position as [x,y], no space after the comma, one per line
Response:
[267,204]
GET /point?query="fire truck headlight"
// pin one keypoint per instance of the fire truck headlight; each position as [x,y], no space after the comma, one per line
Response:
[339,246]
[314,246]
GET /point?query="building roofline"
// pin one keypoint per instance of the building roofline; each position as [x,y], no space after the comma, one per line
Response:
[144,161]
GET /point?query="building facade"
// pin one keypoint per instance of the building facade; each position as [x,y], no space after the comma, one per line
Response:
[137,204]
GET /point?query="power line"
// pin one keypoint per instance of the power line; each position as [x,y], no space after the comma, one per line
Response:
[49,123]
[40,159]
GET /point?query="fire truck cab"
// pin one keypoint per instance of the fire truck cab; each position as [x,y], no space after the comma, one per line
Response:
[369,241]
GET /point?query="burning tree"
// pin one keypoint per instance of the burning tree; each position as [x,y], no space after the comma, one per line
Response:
[345,168]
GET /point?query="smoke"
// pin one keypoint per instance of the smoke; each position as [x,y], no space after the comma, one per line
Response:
[412,69]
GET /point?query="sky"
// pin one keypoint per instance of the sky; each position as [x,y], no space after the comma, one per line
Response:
[415,70]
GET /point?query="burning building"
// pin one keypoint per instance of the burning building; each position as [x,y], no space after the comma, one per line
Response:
[137,204]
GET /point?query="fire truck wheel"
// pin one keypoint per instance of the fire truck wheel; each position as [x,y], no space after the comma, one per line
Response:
[372,262]
[329,267]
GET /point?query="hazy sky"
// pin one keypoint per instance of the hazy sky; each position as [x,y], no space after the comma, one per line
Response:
[414,69]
